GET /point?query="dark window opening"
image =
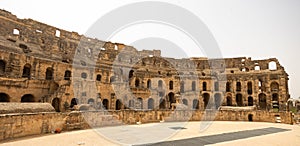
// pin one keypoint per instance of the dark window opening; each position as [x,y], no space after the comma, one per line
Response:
[171,85]
[228,87]
[171,99]
[4,97]
[262,101]
[2,67]
[238,86]
[98,78]
[27,98]
[49,73]
[137,82]
[206,98]
[149,84]
[67,75]
[204,86]
[56,104]
[26,71]
[74,101]
[250,101]
[250,117]
[249,90]
[105,104]
[239,100]
[130,74]
[228,101]
[118,105]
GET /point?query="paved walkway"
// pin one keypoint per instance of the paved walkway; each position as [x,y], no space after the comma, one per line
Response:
[174,133]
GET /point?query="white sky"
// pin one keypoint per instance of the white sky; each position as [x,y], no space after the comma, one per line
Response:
[253,28]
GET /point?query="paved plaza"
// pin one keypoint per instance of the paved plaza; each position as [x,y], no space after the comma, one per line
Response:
[174,133]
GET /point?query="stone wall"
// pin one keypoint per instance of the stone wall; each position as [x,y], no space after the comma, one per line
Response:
[19,125]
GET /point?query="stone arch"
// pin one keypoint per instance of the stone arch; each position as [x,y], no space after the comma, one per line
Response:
[171,98]
[150,103]
[2,66]
[185,101]
[162,103]
[274,87]
[74,101]
[105,104]
[27,98]
[262,101]
[26,71]
[206,98]
[195,104]
[218,100]
[250,101]
[250,117]
[118,105]
[140,103]
[4,97]
[49,73]
[228,101]
[67,75]
[56,104]
[239,99]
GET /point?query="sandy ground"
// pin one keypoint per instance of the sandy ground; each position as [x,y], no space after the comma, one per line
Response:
[155,132]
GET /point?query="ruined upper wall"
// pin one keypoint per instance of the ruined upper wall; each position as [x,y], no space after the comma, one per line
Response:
[27,36]
[35,38]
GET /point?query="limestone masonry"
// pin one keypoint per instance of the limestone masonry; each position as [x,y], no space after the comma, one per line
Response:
[90,82]
[41,63]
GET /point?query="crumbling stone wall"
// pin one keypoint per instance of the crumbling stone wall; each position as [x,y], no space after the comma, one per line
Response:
[64,68]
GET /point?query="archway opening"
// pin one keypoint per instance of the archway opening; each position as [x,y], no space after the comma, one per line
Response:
[49,73]
[74,101]
[206,98]
[150,103]
[171,99]
[162,104]
[4,97]
[105,103]
[27,98]
[239,99]
[118,105]
[262,101]
[26,71]
[67,75]
[250,101]
[250,117]
[56,104]
[228,101]
[185,102]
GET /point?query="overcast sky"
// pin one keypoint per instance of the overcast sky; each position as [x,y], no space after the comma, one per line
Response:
[242,28]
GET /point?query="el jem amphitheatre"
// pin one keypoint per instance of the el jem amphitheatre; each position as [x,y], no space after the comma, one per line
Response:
[55,80]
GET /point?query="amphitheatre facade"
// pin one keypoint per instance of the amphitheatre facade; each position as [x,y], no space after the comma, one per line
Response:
[44,64]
